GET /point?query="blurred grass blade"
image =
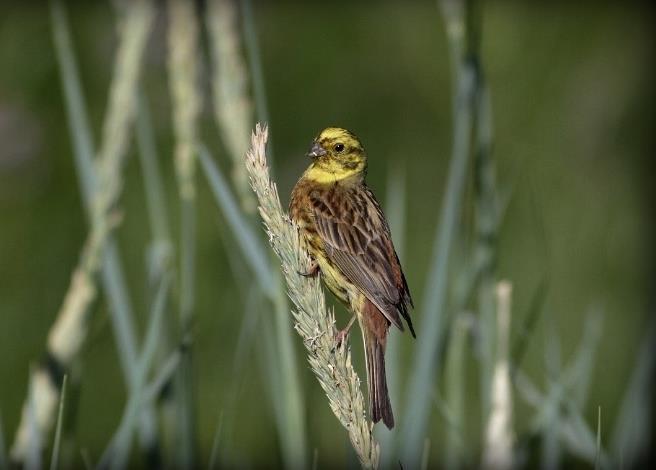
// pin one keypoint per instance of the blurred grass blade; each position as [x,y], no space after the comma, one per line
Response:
[112,272]
[530,320]
[548,414]
[579,437]
[33,457]
[558,418]
[425,454]
[487,225]
[255,66]
[184,64]
[163,377]
[152,177]
[69,331]
[455,391]
[294,435]
[54,461]
[214,452]
[499,434]
[598,456]
[233,107]
[251,248]
[433,319]
[576,378]
[116,456]
[78,120]
[634,432]
[292,432]
[395,208]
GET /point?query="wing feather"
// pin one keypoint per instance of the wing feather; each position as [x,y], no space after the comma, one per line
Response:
[358,241]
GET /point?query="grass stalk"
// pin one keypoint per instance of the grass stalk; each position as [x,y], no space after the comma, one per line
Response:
[314,322]
[183,67]
[288,399]
[250,245]
[233,108]
[234,113]
[69,331]
[116,456]
[455,391]
[597,465]
[434,302]
[113,280]
[152,176]
[633,432]
[558,417]
[56,446]
[499,436]
[487,218]
[160,252]
[395,208]
[35,407]
[255,66]
[294,436]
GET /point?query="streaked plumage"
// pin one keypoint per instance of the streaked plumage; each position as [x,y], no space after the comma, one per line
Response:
[346,234]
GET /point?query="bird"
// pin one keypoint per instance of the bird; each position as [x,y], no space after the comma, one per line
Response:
[343,229]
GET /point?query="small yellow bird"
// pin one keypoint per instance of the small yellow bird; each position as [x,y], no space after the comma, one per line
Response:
[345,232]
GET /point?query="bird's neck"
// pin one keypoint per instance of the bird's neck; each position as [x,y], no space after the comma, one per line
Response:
[326,174]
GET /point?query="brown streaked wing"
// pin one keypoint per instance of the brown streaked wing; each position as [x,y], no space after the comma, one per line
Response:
[357,239]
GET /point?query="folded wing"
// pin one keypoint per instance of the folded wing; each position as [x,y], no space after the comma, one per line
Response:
[357,240]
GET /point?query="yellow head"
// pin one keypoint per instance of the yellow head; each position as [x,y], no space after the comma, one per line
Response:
[336,154]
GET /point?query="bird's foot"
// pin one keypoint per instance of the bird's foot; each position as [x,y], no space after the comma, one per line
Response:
[342,335]
[312,272]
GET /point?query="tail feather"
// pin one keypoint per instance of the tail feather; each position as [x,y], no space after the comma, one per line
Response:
[379,402]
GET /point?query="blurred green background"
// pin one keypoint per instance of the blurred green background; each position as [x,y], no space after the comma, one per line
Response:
[572,90]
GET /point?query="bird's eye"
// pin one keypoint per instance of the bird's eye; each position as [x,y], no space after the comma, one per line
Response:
[339,147]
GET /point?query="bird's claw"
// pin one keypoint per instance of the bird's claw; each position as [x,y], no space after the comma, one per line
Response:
[313,271]
[342,335]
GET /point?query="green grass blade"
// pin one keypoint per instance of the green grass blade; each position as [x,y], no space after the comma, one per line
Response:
[633,430]
[152,175]
[35,443]
[163,377]
[78,120]
[112,276]
[577,376]
[549,412]
[287,389]
[434,302]
[116,456]
[255,66]
[598,456]
[252,249]
[214,453]
[54,461]
[294,435]
[485,251]
[499,433]
[455,391]
[530,321]
[395,208]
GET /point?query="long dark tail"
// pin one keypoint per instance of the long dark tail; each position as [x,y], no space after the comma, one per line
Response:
[379,402]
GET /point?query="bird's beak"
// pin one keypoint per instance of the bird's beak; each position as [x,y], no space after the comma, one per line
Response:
[316,151]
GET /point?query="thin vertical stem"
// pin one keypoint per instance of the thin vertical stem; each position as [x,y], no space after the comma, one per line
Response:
[434,318]
[183,65]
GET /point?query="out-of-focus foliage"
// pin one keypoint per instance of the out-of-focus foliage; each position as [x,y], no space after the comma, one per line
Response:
[571,91]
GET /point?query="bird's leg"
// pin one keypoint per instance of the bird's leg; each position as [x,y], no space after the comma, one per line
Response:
[313,271]
[341,335]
